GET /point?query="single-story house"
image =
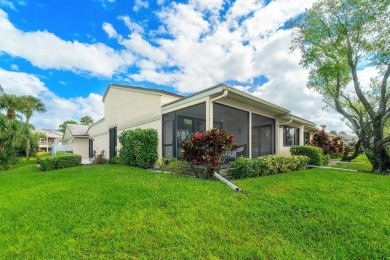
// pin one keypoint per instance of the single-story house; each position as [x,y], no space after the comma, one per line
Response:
[77,136]
[260,127]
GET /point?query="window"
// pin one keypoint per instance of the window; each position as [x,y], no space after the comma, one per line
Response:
[306,138]
[290,136]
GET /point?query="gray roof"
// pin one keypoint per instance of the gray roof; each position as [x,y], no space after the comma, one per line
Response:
[78,130]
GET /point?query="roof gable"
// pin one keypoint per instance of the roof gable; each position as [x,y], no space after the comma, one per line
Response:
[142,90]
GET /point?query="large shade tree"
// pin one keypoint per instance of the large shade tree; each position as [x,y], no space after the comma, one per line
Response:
[337,38]
[29,105]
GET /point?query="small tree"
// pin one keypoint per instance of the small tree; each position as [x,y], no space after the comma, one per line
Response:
[329,145]
[207,149]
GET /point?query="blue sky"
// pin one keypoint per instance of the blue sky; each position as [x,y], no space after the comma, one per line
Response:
[67,52]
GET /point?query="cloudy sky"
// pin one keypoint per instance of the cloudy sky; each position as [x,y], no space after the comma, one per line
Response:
[67,52]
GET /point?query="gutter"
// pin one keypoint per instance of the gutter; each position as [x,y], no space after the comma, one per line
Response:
[211,114]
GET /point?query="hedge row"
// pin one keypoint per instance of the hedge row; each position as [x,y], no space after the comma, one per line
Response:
[267,165]
[41,155]
[60,161]
[314,153]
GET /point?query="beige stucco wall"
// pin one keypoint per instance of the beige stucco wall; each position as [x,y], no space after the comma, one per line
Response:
[128,109]
[126,106]
[99,133]
[80,146]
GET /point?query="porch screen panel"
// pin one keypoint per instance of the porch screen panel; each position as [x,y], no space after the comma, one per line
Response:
[189,120]
[263,135]
[168,135]
[236,123]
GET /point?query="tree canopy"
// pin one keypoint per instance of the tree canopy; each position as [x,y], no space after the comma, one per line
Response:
[86,120]
[62,127]
[337,38]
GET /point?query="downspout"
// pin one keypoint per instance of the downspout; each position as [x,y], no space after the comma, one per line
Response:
[288,122]
[225,93]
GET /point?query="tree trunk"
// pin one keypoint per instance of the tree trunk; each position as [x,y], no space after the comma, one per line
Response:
[377,155]
[28,139]
[11,114]
[348,158]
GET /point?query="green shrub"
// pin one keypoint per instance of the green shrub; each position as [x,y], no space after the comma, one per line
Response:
[115,160]
[63,152]
[139,147]
[174,165]
[41,155]
[60,161]
[267,165]
[48,163]
[314,153]
[67,160]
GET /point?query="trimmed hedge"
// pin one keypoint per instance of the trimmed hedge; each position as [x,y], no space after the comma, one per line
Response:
[139,147]
[60,161]
[267,165]
[41,155]
[314,153]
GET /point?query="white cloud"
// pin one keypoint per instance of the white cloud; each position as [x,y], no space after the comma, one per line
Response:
[45,50]
[138,4]
[14,67]
[7,4]
[244,44]
[133,27]
[110,30]
[58,109]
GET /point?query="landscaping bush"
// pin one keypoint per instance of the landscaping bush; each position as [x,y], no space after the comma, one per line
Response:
[173,165]
[267,165]
[67,160]
[115,160]
[48,163]
[314,153]
[41,155]
[63,152]
[328,144]
[139,147]
[60,161]
[207,149]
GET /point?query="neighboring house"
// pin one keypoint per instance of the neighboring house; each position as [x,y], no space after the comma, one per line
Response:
[260,127]
[50,137]
[77,136]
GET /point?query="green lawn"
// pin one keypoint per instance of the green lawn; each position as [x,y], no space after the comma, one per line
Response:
[360,163]
[111,211]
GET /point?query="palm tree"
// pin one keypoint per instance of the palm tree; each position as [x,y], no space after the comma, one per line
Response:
[29,105]
[11,103]
[86,120]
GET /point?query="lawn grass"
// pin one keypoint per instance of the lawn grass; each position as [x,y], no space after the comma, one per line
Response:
[112,211]
[360,163]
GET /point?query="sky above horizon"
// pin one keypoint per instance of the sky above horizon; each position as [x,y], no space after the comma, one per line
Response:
[68,52]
